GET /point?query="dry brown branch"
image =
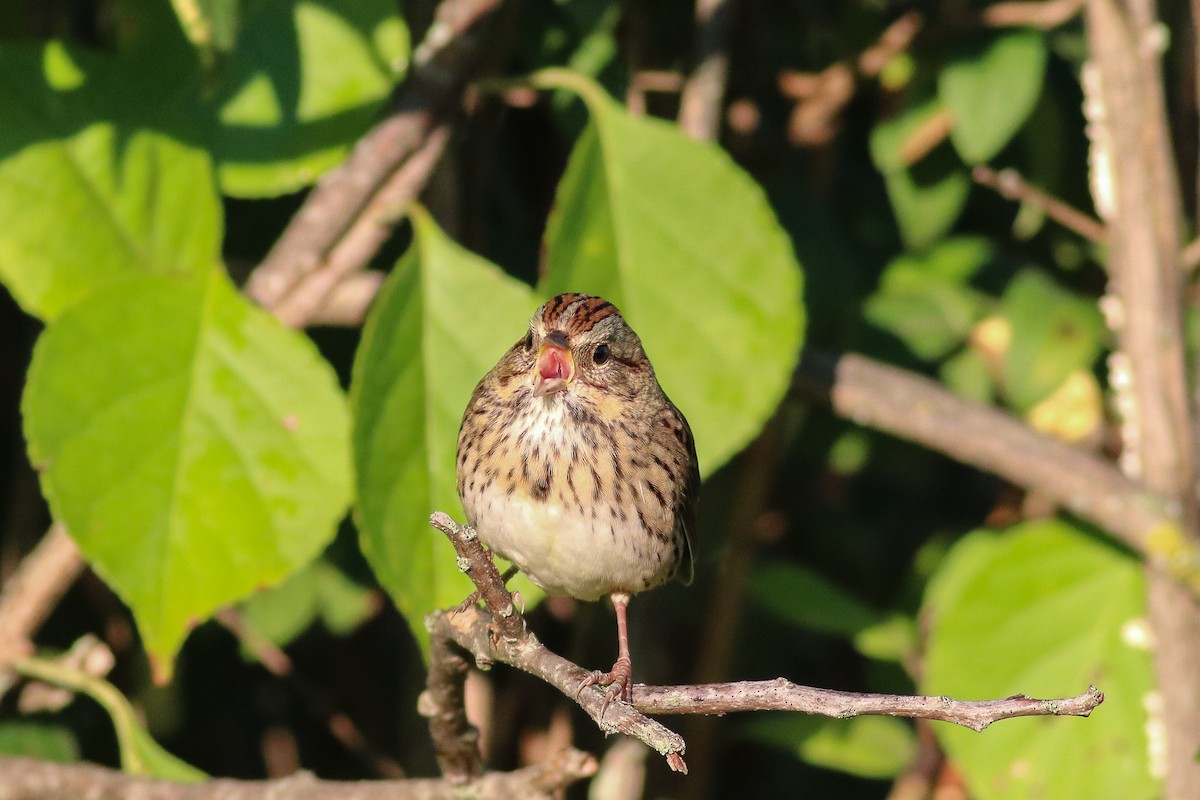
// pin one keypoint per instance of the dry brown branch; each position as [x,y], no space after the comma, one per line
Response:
[1132,159]
[455,739]
[27,779]
[350,196]
[1046,14]
[1009,184]
[29,596]
[503,637]
[700,102]
[783,695]
[916,408]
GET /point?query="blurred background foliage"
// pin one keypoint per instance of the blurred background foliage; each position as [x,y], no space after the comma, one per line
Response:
[150,149]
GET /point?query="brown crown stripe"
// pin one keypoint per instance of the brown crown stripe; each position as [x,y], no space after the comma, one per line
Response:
[576,313]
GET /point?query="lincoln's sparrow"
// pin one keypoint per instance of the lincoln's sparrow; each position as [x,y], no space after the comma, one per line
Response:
[574,465]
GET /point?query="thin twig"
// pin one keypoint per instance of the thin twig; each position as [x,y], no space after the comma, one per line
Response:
[275,661]
[1045,15]
[783,695]
[26,778]
[700,102]
[443,703]
[1009,184]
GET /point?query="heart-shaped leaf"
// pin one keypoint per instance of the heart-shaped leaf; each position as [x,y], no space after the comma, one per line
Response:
[684,242]
[194,447]
[1044,610]
[442,320]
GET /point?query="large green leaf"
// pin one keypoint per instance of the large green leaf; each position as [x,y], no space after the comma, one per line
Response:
[927,197]
[801,597]
[684,242]
[870,747]
[1054,333]
[926,299]
[195,448]
[84,200]
[1043,610]
[442,320]
[990,87]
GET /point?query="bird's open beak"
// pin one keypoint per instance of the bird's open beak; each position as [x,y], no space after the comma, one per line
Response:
[555,367]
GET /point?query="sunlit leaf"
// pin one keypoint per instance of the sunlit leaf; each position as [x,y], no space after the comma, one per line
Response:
[990,85]
[870,747]
[442,320]
[84,201]
[684,242]
[195,448]
[1054,333]
[1044,610]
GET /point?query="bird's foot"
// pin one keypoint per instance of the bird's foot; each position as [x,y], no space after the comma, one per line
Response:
[619,681]
[471,600]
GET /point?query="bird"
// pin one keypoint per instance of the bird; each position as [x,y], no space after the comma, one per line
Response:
[575,466]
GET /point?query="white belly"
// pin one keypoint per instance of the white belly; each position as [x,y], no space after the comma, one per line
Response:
[566,551]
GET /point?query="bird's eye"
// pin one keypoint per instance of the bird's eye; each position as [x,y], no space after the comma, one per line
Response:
[601,354]
[528,343]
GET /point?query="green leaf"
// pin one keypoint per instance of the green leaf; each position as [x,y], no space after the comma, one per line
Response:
[439,324]
[318,591]
[925,299]
[990,87]
[195,448]
[684,242]
[869,747]
[304,82]
[140,754]
[86,202]
[38,740]
[1043,610]
[927,197]
[801,597]
[1054,332]
[967,374]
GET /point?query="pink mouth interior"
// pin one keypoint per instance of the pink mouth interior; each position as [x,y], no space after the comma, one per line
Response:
[553,364]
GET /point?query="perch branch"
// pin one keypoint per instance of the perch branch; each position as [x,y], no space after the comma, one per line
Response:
[504,638]
[26,778]
[783,695]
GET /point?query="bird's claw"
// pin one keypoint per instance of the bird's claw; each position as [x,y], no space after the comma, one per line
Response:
[471,600]
[619,681]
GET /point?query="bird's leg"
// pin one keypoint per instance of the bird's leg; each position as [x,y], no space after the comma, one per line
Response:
[473,597]
[619,679]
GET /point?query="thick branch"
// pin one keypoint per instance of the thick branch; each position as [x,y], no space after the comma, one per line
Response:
[915,408]
[783,695]
[27,779]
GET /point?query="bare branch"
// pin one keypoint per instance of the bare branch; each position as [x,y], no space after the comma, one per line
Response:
[1046,14]
[1010,184]
[916,408]
[352,191]
[700,103]
[29,596]
[25,779]
[783,695]
[455,739]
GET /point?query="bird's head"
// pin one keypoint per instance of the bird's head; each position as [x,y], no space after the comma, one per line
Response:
[581,345]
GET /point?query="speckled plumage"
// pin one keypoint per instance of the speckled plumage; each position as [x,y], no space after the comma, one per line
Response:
[573,463]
